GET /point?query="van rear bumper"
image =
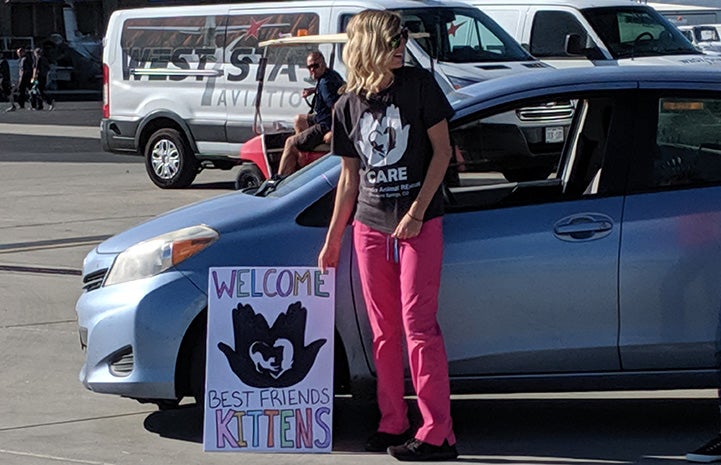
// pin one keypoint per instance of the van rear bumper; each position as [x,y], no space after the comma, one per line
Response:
[118,136]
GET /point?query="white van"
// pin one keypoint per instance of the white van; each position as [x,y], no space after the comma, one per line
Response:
[180,86]
[704,37]
[565,33]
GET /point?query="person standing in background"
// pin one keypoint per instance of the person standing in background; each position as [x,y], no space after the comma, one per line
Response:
[6,82]
[40,78]
[25,74]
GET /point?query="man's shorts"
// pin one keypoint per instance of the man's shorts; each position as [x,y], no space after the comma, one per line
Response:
[309,139]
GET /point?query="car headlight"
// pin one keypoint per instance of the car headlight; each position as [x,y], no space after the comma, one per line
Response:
[458,82]
[156,255]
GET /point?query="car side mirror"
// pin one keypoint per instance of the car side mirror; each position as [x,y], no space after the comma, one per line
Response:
[575,45]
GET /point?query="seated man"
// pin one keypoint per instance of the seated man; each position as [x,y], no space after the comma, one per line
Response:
[312,129]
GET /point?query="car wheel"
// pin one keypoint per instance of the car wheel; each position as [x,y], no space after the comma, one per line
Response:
[169,161]
[248,176]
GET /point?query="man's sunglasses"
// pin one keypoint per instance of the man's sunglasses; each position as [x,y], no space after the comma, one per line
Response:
[395,41]
[313,66]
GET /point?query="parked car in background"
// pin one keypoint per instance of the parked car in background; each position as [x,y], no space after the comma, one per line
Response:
[603,275]
[566,33]
[704,37]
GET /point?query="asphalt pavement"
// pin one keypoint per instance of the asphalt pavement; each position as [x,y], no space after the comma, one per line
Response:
[62,195]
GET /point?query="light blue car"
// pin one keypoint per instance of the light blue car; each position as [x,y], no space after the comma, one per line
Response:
[603,275]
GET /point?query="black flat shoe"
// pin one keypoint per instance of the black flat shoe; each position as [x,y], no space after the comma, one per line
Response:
[380,442]
[418,451]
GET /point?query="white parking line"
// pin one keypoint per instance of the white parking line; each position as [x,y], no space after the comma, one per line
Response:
[51,457]
[47,130]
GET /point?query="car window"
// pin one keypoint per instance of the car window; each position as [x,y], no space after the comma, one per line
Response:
[706,34]
[542,151]
[688,142]
[462,35]
[549,31]
[630,32]
[459,35]
[245,31]
[179,43]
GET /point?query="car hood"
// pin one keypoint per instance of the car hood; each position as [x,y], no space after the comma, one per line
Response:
[704,60]
[480,72]
[711,46]
[219,213]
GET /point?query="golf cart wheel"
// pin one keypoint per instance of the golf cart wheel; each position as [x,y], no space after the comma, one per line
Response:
[249,175]
[169,161]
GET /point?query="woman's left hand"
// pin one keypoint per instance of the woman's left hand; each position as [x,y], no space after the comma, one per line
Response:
[407,228]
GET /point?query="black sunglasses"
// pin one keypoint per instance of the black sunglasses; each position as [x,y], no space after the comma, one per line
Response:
[313,66]
[395,41]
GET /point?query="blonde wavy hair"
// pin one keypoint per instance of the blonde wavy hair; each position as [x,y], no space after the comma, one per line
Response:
[367,53]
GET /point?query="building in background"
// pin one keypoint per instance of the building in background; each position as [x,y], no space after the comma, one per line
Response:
[688,13]
[70,32]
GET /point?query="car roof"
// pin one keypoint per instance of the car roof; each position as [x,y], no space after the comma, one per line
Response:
[284,6]
[554,81]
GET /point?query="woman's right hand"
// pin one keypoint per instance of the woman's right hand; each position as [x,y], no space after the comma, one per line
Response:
[328,257]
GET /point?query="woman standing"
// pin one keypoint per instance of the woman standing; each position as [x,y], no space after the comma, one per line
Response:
[391,129]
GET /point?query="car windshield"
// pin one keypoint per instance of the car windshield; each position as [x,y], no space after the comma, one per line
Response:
[462,35]
[321,167]
[631,32]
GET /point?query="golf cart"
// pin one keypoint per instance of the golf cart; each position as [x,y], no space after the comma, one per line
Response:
[261,154]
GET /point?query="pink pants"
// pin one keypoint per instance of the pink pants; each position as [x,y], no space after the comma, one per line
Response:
[400,286]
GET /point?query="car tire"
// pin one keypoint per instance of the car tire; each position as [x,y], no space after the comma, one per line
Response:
[249,175]
[169,161]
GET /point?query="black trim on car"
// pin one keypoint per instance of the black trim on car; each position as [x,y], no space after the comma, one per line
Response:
[118,136]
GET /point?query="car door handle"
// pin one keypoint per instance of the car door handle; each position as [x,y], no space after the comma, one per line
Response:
[583,227]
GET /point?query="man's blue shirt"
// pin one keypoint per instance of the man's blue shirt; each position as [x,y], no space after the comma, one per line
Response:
[326,94]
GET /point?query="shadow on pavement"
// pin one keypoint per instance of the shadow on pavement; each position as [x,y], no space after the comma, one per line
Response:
[548,432]
[218,185]
[354,421]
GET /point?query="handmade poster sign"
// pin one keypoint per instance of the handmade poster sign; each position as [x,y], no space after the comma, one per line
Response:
[269,370]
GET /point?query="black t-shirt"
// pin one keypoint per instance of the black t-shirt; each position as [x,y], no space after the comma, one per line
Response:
[388,133]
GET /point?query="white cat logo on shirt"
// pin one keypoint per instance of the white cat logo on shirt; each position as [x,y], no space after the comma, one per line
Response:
[383,141]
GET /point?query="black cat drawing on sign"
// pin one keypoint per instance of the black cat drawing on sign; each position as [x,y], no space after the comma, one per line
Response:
[270,357]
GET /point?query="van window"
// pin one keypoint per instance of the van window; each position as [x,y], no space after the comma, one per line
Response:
[459,35]
[637,32]
[184,43]
[706,34]
[245,31]
[549,31]
[462,35]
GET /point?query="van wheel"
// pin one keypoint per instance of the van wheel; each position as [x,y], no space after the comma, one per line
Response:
[169,160]
[249,175]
